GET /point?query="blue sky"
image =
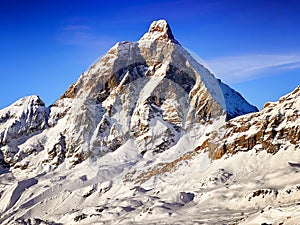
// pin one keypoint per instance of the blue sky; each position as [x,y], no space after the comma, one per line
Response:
[254,46]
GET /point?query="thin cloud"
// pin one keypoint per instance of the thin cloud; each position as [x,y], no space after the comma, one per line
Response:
[235,69]
[73,28]
[82,35]
[291,66]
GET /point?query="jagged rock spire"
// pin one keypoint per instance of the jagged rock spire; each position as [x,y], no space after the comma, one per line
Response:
[159,30]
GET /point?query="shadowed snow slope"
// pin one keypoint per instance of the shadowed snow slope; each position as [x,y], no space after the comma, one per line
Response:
[134,141]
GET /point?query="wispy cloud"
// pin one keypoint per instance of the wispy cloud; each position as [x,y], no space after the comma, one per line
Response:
[74,28]
[82,35]
[235,69]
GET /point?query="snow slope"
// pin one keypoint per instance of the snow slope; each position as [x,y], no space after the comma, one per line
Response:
[247,188]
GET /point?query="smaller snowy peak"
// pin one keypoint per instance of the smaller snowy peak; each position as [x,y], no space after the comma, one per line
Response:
[23,103]
[159,30]
[291,96]
[288,101]
[32,100]
[19,121]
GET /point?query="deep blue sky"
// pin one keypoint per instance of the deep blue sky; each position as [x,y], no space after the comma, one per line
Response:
[254,46]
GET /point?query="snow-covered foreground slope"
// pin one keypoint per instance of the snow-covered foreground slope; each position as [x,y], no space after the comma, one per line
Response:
[246,188]
[144,137]
[182,185]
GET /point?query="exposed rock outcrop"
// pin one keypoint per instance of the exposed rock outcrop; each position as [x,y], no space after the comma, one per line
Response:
[275,125]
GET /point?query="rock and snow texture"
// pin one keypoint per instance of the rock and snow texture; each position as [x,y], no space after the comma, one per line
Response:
[159,30]
[18,122]
[133,141]
[274,128]
[152,91]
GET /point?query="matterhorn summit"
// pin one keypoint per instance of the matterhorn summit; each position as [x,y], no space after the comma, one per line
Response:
[159,30]
[145,135]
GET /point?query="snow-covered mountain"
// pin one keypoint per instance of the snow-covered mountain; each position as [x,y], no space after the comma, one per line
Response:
[149,135]
[151,91]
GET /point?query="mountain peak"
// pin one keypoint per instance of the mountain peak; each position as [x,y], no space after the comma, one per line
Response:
[159,30]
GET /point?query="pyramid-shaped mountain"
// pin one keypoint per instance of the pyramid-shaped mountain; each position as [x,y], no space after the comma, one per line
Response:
[151,92]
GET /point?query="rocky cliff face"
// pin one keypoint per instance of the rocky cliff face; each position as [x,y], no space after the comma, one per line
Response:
[271,129]
[276,127]
[151,91]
